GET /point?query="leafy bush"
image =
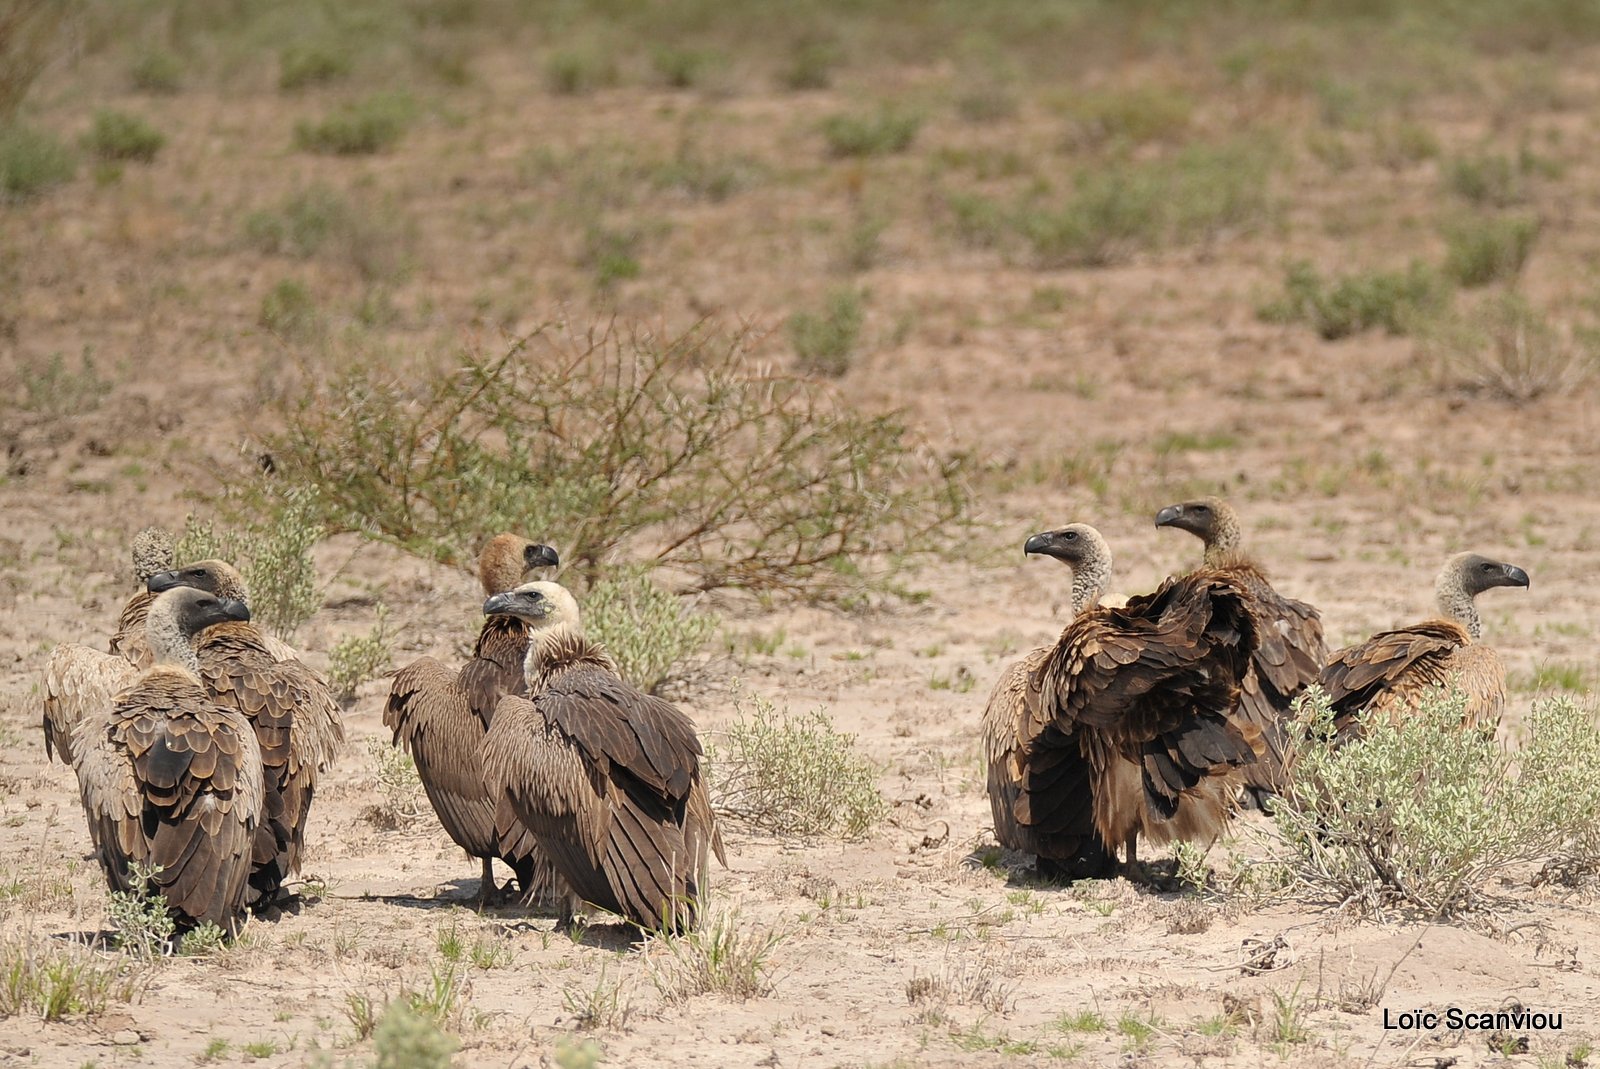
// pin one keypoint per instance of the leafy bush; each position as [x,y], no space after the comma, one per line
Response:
[273,555]
[54,388]
[312,63]
[1394,300]
[1508,349]
[648,632]
[143,924]
[408,1038]
[1129,117]
[792,775]
[825,341]
[1422,813]
[882,133]
[32,161]
[677,446]
[683,68]
[811,65]
[1485,250]
[720,957]
[403,802]
[373,125]
[358,658]
[204,939]
[157,71]
[116,135]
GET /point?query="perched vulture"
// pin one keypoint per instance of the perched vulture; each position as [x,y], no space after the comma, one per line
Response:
[440,717]
[152,553]
[1395,670]
[296,721]
[606,777]
[171,778]
[1290,650]
[1127,725]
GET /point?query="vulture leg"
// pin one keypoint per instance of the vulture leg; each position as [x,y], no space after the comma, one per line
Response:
[486,885]
[1133,850]
[1092,862]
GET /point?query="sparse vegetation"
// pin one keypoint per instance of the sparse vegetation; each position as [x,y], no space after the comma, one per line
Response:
[31,161]
[582,68]
[55,389]
[289,311]
[722,956]
[117,135]
[792,775]
[311,63]
[1490,249]
[403,803]
[649,632]
[1506,348]
[603,1005]
[46,979]
[157,71]
[881,133]
[319,219]
[406,1037]
[1397,301]
[143,924]
[273,555]
[1489,180]
[824,342]
[375,124]
[355,659]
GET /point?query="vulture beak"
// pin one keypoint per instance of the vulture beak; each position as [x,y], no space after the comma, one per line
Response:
[1515,576]
[234,609]
[221,610]
[516,603]
[162,581]
[1046,544]
[1169,516]
[540,556]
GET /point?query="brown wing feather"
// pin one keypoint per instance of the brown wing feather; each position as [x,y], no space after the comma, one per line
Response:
[1389,670]
[129,641]
[430,716]
[80,684]
[496,668]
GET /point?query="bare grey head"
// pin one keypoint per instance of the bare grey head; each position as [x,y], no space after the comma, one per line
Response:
[1081,548]
[1210,519]
[213,576]
[1465,576]
[178,615]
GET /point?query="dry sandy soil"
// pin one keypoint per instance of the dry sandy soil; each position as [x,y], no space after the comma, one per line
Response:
[1094,394]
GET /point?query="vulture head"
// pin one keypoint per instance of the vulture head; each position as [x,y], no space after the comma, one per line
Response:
[1081,548]
[1210,519]
[1465,576]
[541,605]
[506,561]
[181,613]
[213,576]
[152,552]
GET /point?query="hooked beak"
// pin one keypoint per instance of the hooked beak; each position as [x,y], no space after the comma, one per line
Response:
[162,581]
[1169,516]
[540,556]
[234,609]
[1516,576]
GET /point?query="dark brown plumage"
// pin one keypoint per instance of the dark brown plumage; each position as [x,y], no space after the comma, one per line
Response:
[1290,650]
[441,718]
[1127,724]
[297,724]
[170,778]
[607,778]
[1396,670]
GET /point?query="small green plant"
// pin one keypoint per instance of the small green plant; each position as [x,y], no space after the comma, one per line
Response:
[1484,250]
[364,128]
[811,65]
[793,775]
[683,68]
[882,133]
[1394,300]
[201,941]
[1137,1030]
[574,1053]
[141,920]
[649,632]
[274,556]
[355,659]
[117,135]
[288,310]
[53,388]
[157,71]
[720,957]
[1488,180]
[582,68]
[50,980]
[612,253]
[1130,117]
[604,1005]
[31,161]
[319,219]
[257,1049]
[401,786]
[825,341]
[215,1051]
[312,63]
[1506,348]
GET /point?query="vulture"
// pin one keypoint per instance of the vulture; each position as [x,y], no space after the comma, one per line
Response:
[441,718]
[296,721]
[1290,650]
[1127,725]
[1395,670]
[79,684]
[171,778]
[607,778]
[152,553]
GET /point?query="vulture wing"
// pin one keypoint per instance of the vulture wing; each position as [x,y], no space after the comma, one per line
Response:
[1391,668]
[1289,656]
[80,686]
[430,716]
[496,668]
[129,640]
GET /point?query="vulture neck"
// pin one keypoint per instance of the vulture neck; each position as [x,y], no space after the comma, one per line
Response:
[552,649]
[1457,605]
[1223,546]
[171,646]
[1089,581]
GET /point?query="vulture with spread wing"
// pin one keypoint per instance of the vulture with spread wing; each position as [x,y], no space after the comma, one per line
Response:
[297,723]
[441,717]
[1290,649]
[171,778]
[1127,725]
[606,777]
[1395,670]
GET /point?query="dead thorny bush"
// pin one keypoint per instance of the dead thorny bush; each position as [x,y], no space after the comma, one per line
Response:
[1506,348]
[674,450]
[1423,813]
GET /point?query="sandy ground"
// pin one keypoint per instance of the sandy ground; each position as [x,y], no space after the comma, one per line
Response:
[1094,395]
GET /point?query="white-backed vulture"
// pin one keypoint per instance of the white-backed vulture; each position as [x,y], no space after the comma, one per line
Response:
[296,720]
[152,553]
[171,778]
[1395,670]
[607,778]
[1124,727]
[79,684]
[1290,649]
[441,717]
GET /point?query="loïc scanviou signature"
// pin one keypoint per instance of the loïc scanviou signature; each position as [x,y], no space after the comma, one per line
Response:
[1455,1018]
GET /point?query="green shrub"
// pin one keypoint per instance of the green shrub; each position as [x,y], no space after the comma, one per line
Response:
[142,922]
[612,253]
[1130,117]
[51,980]
[580,69]
[792,775]
[882,133]
[31,161]
[1491,180]
[825,341]
[273,554]
[683,68]
[357,658]
[674,446]
[1484,250]
[1422,813]
[157,71]
[116,135]
[55,389]
[648,632]
[319,219]
[811,65]
[720,957]
[312,63]
[288,310]
[373,125]
[408,1038]
[1394,300]
[1506,348]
